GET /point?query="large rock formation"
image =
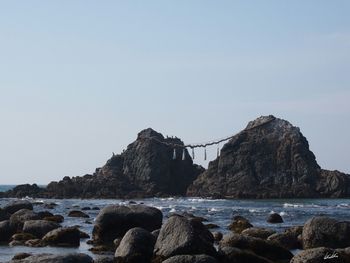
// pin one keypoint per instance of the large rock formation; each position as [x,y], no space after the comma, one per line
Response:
[270,158]
[145,169]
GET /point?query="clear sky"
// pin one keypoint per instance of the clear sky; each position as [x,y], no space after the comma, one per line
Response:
[80,79]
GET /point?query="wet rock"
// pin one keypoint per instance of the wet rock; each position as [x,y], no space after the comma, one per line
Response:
[34,243]
[270,158]
[114,221]
[182,236]
[16,243]
[286,240]
[39,228]
[22,237]
[21,256]
[54,218]
[236,255]
[43,214]
[263,233]
[102,249]
[47,258]
[15,206]
[321,231]
[136,247]
[320,254]
[274,218]
[77,213]
[63,237]
[239,224]
[6,231]
[191,259]
[18,218]
[86,208]
[83,235]
[259,246]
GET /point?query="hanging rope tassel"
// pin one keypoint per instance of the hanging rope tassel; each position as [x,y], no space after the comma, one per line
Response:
[205,153]
[174,154]
[218,151]
[193,153]
[184,154]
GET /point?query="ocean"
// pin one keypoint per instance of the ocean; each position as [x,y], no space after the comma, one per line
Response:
[294,212]
[4,188]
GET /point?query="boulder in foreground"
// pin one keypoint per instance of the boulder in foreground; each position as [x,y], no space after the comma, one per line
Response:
[182,236]
[114,221]
[321,231]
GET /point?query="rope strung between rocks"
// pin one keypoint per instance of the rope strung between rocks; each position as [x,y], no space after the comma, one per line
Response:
[204,145]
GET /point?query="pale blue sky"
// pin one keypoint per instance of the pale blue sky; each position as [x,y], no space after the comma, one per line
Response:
[79,79]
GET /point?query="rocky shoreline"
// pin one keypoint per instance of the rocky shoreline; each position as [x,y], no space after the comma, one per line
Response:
[270,158]
[139,233]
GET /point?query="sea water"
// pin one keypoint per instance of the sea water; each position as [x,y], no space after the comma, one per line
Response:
[294,212]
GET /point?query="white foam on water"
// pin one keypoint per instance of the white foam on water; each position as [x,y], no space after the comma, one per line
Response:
[282,213]
[292,205]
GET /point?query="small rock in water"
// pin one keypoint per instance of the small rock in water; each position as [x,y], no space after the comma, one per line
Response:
[54,218]
[274,218]
[239,224]
[77,213]
[21,256]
